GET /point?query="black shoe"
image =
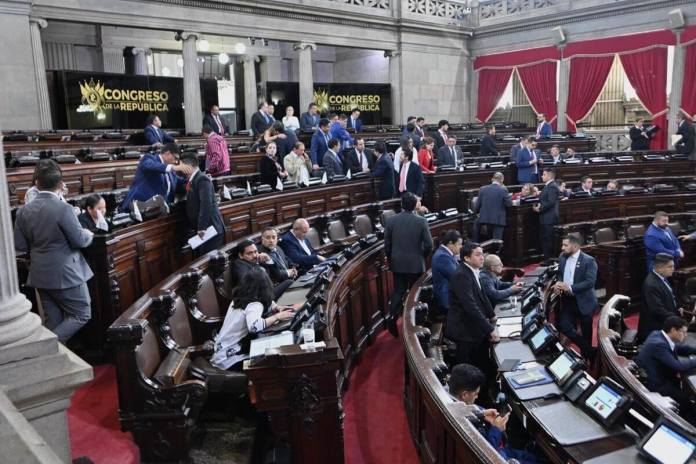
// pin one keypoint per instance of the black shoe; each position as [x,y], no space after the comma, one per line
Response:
[391,326]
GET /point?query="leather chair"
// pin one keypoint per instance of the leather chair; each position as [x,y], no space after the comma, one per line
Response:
[635,231]
[363,225]
[386,214]
[313,238]
[605,234]
[676,227]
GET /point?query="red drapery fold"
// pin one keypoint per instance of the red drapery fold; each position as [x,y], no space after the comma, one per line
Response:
[587,78]
[620,44]
[647,72]
[688,35]
[539,82]
[517,58]
[688,101]
[492,83]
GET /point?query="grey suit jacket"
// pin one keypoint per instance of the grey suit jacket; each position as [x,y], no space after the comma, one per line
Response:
[332,165]
[491,204]
[48,229]
[407,241]
[445,158]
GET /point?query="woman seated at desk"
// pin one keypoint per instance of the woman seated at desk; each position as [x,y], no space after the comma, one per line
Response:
[528,190]
[251,311]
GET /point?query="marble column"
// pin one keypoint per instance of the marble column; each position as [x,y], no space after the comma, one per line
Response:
[677,88]
[193,115]
[304,53]
[140,67]
[396,86]
[251,99]
[270,69]
[112,60]
[563,85]
[43,102]
[473,101]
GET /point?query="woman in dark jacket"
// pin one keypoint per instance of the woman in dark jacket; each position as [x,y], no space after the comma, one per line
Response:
[271,170]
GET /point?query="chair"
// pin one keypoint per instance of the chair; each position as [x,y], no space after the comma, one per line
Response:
[386,214]
[676,227]
[363,225]
[605,234]
[635,231]
[313,237]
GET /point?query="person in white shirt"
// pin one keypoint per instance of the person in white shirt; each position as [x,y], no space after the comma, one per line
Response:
[397,154]
[290,121]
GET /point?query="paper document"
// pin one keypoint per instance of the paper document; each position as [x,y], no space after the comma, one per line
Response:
[197,241]
[676,138]
[505,331]
[510,320]
[260,345]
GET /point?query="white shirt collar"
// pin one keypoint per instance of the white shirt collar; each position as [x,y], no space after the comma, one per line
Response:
[575,255]
[669,340]
[160,158]
[475,271]
[193,175]
[550,181]
[447,249]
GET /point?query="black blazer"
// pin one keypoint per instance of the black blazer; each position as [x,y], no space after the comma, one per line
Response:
[638,140]
[354,163]
[87,222]
[548,200]
[210,121]
[686,144]
[469,309]
[658,303]
[491,204]
[488,146]
[384,171]
[201,208]
[259,124]
[415,183]
[439,141]
[281,264]
[269,171]
[662,364]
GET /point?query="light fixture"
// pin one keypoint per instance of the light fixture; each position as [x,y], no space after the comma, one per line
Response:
[239,48]
[101,116]
[265,42]
[165,71]
[203,45]
[180,62]
[223,58]
[252,41]
[200,59]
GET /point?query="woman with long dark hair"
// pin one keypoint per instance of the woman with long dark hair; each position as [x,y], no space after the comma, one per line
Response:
[251,311]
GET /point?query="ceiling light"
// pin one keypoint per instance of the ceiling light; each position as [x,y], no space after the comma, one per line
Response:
[203,45]
[165,71]
[223,58]
[239,48]
[180,62]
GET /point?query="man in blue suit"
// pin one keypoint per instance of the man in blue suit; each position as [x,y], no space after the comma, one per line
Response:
[491,206]
[310,120]
[495,289]
[659,238]
[154,135]
[156,175]
[544,129]
[338,131]
[354,120]
[659,357]
[526,162]
[319,144]
[576,278]
[298,249]
[383,170]
[410,176]
[443,266]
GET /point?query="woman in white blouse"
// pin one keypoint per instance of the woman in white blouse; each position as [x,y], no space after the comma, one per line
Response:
[290,121]
[252,311]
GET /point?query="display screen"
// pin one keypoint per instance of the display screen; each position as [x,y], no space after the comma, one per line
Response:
[668,446]
[539,338]
[529,317]
[603,400]
[561,366]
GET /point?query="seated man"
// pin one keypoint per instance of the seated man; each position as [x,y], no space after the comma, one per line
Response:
[279,266]
[659,357]
[659,301]
[445,263]
[495,289]
[585,186]
[246,258]
[154,135]
[465,383]
[298,248]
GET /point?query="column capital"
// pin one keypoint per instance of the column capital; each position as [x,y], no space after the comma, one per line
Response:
[250,58]
[187,35]
[42,23]
[140,51]
[304,46]
[392,53]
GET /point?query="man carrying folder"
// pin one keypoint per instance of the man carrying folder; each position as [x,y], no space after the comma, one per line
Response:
[201,208]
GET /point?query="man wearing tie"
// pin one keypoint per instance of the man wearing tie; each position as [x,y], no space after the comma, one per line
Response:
[384,171]
[332,163]
[556,155]
[441,135]
[214,120]
[319,144]
[450,154]
[526,162]
[298,249]
[659,238]
[517,147]
[585,186]
[279,267]
[154,135]
[410,175]
[548,210]
[544,129]
[576,278]
[359,158]
[260,121]
[156,175]
[309,121]
[354,120]
[659,301]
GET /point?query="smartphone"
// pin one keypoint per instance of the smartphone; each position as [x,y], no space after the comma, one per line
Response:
[504,409]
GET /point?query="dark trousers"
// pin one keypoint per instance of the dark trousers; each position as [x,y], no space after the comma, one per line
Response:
[568,316]
[402,284]
[495,230]
[546,237]
[474,353]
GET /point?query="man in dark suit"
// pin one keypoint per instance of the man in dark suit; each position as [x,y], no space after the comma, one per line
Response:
[214,120]
[440,136]
[407,242]
[548,211]
[659,238]
[310,120]
[319,143]
[526,162]
[450,154]
[279,266]
[384,171]
[544,129]
[260,121]
[359,158]
[333,166]
[488,146]
[517,147]
[470,317]
[585,186]
[410,175]
[640,140]
[354,120]
[686,129]
[659,357]
[411,132]
[201,206]
[154,135]
[495,289]
[491,206]
[156,175]
[659,300]
[444,264]
[298,249]
[247,257]
[576,278]
[49,231]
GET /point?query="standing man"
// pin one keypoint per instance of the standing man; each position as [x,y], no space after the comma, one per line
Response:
[319,144]
[332,163]
[686,144]
[640,140]
[576,278]
[384,171]
[201,206]
[517,147]
[444,264]
[495,289]
[214,120]
[49,231]
[544,129]
[441,135]
[407,242]
[659,238]
[410,175]
[491,206]
[420,125]
[470,317]
[451,154]
[260,121]
[526,162]
[309,121]
[338,131]
[548,211]
[488,146]
[360,159]
[659,300]
[217,156]
[354,120]
[154,135]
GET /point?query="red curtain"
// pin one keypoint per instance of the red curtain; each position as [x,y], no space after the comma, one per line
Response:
[647,72]
[539,82]
[620,44]
[517,58]
[491,85]
[688,101]
[587,78]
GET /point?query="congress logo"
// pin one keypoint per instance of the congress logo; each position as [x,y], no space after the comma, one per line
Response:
[96,97]
[321,98]
[92,94]
[344,103]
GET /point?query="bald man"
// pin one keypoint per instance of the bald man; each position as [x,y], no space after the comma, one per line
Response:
[297,247]
[495,289]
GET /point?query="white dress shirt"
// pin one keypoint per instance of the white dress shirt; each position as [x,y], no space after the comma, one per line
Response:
[669,340]
[569,270]
[476,274]
[302,244]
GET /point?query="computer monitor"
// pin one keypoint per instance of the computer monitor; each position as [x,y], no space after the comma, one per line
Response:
[529,300]
[563,366]
[541,339]
[606,401]
[530,317]
[667,443]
